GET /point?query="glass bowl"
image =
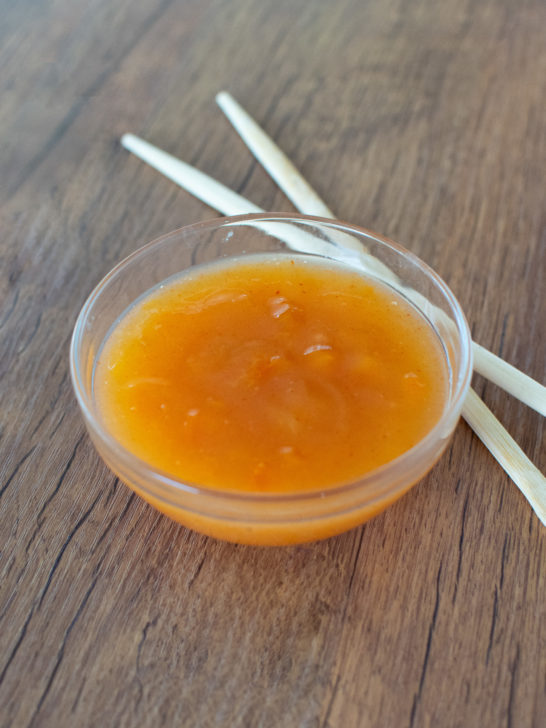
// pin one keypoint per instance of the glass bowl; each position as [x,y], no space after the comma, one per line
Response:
[271,518]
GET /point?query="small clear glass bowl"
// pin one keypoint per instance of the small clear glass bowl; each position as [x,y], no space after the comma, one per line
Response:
[274,518]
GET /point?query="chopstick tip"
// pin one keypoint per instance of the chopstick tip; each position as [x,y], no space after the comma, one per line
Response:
[223,97]
[126,139]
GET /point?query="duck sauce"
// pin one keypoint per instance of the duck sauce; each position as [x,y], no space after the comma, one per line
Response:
[273,375]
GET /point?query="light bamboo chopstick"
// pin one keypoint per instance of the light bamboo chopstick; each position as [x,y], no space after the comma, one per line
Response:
[274,161]
[507,453]
[213,193]
[290,180]
[224,200]
[197,183]
[502,446]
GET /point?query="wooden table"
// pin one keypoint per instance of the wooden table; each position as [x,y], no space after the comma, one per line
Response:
[424,121]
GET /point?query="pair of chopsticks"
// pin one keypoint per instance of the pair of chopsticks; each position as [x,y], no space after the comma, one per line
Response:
[495,437]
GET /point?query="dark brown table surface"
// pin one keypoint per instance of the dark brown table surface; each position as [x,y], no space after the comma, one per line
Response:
[423,121]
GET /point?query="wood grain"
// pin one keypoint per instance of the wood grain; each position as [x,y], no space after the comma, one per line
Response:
[423,121]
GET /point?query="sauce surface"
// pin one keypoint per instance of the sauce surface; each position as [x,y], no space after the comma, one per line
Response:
[276,374]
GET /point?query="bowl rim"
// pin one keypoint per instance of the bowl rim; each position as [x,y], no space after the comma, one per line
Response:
[373,477]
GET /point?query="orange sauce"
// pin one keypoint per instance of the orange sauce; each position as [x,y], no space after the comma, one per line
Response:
[272,374]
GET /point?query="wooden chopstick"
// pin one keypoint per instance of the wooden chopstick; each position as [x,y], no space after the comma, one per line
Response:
[505,450]
[197,183]
[512,380]
[226,201]
[507,453]
[290,180]
[495,437]
[274,161]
